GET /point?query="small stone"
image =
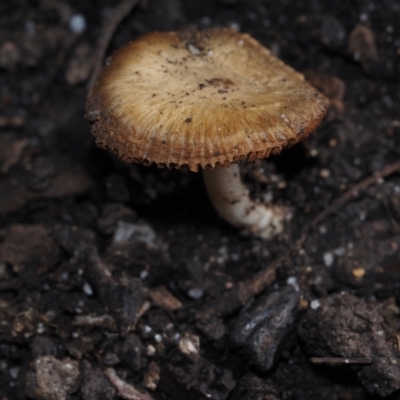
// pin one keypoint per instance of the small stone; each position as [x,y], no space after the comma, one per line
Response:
[87,289]
[324,173]
[358,272]
[293,282]
[196,293]
[189,345]
[151,350]
[77,23]
[14,372]
[52,379]
[158,338]
[329,258]
[314,305]
[141,232]
[130,351]
[262,330]
[95,384]
[152,376]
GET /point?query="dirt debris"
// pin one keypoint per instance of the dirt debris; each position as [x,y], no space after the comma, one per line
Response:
[251,387]
[52,379]
[205,378]
[95,384]
[163,298]
[29,245]
[343,326]
[124,389]
[123,295]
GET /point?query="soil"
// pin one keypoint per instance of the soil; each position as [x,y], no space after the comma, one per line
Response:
[120,281]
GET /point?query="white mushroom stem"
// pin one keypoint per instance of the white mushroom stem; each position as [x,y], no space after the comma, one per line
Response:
[232,201]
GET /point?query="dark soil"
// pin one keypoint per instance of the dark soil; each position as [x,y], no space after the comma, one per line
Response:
[121,281]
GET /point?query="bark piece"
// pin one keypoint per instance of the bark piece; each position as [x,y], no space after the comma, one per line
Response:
[163,298]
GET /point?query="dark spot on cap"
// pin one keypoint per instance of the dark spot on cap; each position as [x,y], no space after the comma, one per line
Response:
[218,82]
[188,120]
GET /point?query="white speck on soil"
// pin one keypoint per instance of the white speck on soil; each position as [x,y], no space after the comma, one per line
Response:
[292,280]
[195,293]
[315,304]
[87,289]
[142,232]
[77,23]
[328,259]
[14,372]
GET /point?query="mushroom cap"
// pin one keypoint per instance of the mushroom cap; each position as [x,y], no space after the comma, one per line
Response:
[200,99]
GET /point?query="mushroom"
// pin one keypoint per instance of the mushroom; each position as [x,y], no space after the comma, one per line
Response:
[205,100]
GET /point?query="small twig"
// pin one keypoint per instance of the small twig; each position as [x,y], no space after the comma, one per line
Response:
[105,321]
[340,360]
[356,189]
[347,196]
[109,28]
[125,390]
[237,297]
[230,301]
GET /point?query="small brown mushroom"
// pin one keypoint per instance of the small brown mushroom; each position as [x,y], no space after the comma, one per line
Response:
[206,100]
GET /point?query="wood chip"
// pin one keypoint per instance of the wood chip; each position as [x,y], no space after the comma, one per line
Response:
[161,297]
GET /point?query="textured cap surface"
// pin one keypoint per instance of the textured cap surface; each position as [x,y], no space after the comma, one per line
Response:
[200,99]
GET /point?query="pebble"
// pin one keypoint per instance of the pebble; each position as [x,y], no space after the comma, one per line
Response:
[158,338]
[293,282]
[358,272]
[262,330]
[196,293]
[77,23]
[315,304]
[324,173]
[328,259]
[189,345]
[87,289]
[14,372]
[142,232]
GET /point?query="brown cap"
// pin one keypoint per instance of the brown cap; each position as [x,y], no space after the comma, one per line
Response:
[200,99]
